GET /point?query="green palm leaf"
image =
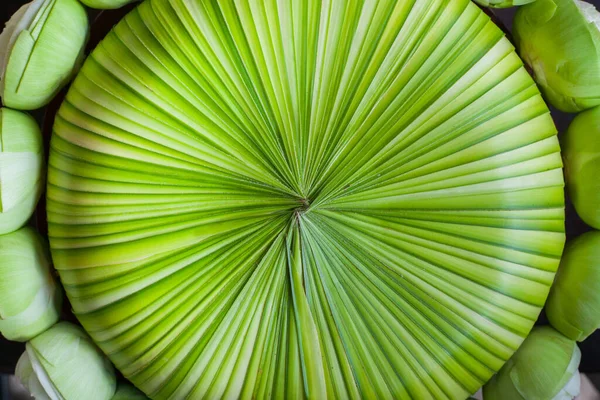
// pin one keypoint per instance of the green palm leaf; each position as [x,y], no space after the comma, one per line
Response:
[324,199]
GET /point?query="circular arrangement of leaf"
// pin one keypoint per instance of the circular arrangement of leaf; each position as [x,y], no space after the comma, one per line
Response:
[334,199]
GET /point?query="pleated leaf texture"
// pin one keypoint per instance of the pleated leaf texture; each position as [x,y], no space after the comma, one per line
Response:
[327,199]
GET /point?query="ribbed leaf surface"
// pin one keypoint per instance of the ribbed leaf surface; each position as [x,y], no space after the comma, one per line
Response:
[325,199]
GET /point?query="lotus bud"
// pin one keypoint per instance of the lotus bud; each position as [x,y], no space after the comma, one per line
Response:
[126,391]
[545,367]
[573,306]
[63,363]
[40,48]
[21,168]
[581,155]
[560,39]
[107,4]
[502,3]
[30,299]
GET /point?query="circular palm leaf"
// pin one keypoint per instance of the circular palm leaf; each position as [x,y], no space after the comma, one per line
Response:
[325,199]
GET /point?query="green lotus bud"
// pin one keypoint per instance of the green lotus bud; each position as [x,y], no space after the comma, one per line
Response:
[107,4]
[63,363]
[545,367]
[560,39]
[127,391]
[21,168]
[30,299]
[573,306]
[41,46]
[581,155]
[502,3]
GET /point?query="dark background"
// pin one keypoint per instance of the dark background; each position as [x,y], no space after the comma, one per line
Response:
[102,22]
